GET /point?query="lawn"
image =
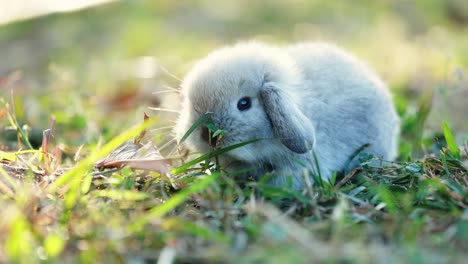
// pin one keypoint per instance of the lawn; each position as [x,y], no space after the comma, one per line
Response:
[76,86]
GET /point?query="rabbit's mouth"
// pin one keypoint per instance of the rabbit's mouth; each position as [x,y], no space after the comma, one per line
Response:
[208,137]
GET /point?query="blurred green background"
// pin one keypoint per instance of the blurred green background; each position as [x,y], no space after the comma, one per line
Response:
[96,70]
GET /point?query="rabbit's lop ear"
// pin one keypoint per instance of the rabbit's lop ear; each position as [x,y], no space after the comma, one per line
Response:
[288,123]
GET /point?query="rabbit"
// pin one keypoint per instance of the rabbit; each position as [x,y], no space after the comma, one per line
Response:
[313,105]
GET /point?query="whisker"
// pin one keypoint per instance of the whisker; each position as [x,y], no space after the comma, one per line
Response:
[173,122]
[166,133]
[166,91]
[161,128]
[167,144]
[173,150]
[164,110]
[170,74]
[169,88]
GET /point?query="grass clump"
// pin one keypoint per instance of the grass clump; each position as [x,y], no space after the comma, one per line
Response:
[64,107]
[411,211]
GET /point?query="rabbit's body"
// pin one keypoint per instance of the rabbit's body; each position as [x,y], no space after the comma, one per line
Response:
[305,97]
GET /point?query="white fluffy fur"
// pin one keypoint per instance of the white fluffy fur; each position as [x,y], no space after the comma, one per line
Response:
[310,96]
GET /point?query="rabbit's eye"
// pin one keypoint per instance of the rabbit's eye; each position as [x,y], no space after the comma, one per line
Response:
[244,104]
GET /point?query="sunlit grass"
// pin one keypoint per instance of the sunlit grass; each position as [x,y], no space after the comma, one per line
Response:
[127,214]
[88,75]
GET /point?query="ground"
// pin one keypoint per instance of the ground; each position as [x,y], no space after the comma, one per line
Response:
[75,86]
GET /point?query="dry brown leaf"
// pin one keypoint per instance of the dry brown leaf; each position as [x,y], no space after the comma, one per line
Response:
[136,156]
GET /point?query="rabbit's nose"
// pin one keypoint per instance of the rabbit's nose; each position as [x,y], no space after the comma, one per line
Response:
[206,135]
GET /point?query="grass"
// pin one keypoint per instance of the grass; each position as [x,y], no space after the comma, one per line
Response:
[71,105]
[409,212]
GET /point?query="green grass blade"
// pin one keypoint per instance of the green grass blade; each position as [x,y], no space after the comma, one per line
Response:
[175,200]
[80,169]
[354,156]
[14,155]
[425,106]
[126,195]
[202,120]
[14,123]
[54,244]
[19,232]
[210,155]
[452,145]
[387,197]
[195,229]
[317,166]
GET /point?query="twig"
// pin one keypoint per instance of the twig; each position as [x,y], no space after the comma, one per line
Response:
[347,178]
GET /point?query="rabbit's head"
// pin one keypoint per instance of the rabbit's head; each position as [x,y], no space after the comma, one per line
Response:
[248,89]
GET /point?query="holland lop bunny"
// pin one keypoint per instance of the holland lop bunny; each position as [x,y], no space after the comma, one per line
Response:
[299,99]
